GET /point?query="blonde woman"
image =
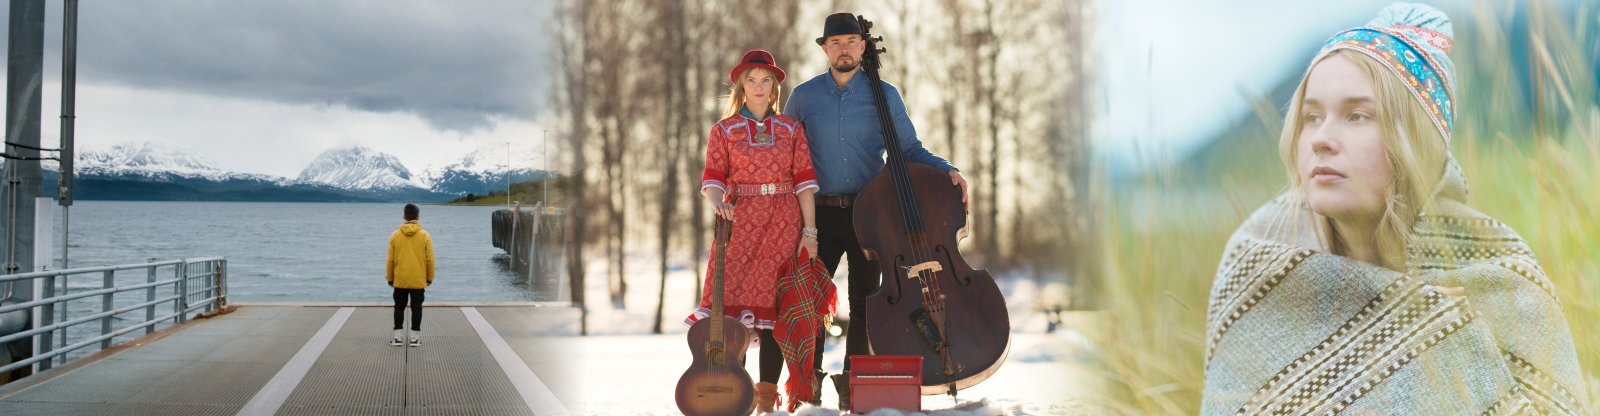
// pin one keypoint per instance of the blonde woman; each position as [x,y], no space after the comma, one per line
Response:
[761,157]
[1370,287]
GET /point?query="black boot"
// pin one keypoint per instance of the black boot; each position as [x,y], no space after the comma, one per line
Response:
[816,388]
[841,382]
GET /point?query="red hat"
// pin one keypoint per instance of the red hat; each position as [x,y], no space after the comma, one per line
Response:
[756,58]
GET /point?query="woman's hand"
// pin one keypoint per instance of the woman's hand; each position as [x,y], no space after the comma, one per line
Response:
[723,209]
[807,243]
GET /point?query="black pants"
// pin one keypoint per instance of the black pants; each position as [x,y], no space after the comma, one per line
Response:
[400,296]
[836,236]
[771,359]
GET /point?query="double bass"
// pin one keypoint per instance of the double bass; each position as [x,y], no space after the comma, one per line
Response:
[717,384]
[930,302]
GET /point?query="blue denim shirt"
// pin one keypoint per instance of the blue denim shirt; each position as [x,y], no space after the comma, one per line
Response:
[842,127]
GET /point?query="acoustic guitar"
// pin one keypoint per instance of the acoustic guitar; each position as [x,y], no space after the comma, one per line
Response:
[717,384]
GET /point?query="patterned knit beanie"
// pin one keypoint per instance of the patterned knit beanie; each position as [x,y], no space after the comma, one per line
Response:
[1414,40]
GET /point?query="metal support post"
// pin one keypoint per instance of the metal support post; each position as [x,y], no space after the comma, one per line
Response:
[105,306]
[182,304]
[150,296]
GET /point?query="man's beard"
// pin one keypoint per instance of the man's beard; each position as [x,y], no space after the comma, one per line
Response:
[843,67]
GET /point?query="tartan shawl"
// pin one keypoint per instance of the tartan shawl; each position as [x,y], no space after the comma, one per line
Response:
[1292,330]
[806,301]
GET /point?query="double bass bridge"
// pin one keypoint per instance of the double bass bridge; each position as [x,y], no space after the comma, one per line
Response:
[916,271]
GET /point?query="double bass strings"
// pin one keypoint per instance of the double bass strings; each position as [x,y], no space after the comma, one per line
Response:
[910,212]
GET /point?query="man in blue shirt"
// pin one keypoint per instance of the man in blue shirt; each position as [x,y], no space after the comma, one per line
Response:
[847,150]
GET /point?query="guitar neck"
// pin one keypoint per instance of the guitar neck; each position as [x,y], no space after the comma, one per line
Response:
[724,231]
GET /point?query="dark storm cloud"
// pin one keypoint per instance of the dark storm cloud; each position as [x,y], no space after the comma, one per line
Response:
[454,63]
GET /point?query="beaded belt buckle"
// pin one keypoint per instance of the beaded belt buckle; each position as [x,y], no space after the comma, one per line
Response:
[762,188]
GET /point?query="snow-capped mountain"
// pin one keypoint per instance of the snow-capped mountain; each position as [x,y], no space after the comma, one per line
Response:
[156,162]
[487,168]
[156,171]
[148,156]
[359,169]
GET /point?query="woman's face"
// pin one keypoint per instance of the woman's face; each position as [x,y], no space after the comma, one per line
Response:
[1341,160]
[757,85]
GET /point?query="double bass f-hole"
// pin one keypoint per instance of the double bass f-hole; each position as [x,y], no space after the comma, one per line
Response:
[899,287]
[962,280]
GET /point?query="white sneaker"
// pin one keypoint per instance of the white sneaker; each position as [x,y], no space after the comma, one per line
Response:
[416,340]
[399,338]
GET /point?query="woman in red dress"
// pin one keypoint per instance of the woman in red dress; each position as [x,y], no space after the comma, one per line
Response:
[762,157]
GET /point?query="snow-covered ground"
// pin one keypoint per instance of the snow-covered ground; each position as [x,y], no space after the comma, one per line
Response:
[621,368]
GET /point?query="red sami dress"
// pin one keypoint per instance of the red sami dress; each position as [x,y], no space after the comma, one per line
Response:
[766,229]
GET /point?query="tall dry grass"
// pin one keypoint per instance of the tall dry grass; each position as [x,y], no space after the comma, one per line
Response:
[1526,137]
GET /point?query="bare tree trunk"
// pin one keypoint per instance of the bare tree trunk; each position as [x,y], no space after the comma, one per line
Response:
[572,24]
[991,250]
[671,21]
[619,225]
[613,248]
[694,153]
[702,43]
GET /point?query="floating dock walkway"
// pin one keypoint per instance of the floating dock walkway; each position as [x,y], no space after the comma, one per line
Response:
[316,359]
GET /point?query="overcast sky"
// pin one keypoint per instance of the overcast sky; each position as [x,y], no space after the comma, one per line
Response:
[1178,72]
[264,86]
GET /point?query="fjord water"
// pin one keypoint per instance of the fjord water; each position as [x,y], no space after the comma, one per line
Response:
[300,252]
[277,252]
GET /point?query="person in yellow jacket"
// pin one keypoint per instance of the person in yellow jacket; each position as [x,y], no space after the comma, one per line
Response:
[410,270]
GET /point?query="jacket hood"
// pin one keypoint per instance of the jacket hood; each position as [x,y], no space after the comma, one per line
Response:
[410,228]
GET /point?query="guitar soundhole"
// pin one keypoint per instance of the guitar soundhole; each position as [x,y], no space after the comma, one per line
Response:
[716,356]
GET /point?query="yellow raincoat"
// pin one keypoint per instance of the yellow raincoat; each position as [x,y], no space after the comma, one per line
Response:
[410,257]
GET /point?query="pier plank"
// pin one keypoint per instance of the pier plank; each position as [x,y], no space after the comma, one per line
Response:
[215,366]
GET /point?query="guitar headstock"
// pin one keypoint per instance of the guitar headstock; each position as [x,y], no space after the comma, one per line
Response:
[869,57]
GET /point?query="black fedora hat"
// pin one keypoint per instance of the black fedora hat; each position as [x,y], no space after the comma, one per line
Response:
[840,24]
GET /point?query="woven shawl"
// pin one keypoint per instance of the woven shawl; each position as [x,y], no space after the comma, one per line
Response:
[1293,330]
[806,298]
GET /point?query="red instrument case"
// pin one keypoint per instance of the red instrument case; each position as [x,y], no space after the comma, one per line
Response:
[885,381]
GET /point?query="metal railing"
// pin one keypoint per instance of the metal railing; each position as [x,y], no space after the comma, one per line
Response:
[199,284]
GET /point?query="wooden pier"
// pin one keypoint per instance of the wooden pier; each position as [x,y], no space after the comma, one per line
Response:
[317,358]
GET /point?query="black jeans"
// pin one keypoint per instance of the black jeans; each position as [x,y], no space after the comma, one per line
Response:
[400,296]
[771,358]
[836,236]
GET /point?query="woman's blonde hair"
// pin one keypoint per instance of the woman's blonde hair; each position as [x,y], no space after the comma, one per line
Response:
[1415,149]
[736,95]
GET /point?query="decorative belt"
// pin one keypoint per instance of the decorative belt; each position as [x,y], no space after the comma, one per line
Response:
[842,201]
[752,189]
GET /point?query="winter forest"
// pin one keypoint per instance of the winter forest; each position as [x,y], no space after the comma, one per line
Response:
[1001,88]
